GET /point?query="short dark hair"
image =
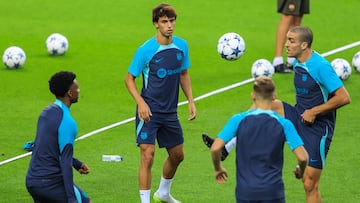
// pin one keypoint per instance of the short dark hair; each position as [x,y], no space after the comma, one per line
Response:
[305,34]
[61,82]
[264,87]
[161,10]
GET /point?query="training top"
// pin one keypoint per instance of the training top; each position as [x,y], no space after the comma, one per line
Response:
[261,135]
[161,66]
[315,80]
[52,158]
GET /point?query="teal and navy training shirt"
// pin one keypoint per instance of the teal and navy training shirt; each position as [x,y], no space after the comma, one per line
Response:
[161,66]
[52,158]
[315,80]
[261,135]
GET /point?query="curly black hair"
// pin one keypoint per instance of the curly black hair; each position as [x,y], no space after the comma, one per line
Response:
[60,82]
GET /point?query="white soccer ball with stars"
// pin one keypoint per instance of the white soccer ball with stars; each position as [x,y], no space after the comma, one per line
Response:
[14,57]
[262,67]
[231,46]
[356,61]
[342,68]
[57,44]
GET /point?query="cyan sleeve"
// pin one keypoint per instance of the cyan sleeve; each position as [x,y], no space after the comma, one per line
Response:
[292,137]
[137,64]
[230,128]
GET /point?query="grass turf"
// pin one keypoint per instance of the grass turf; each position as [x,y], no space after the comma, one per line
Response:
[103,37]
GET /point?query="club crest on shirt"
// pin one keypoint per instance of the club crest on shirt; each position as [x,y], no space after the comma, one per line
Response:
[304,77]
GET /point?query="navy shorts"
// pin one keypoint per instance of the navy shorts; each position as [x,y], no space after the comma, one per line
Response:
[317,136]
[293,7]
[282,200]
[165,128]
[55,194]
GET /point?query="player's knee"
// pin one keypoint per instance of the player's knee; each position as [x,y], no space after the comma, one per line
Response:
[180,157]
[310,184]
[147,157]
[177,158]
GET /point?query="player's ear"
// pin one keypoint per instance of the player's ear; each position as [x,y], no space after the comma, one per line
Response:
[253,96]
[274,96]
[69,93]
[156,24]
[304,45]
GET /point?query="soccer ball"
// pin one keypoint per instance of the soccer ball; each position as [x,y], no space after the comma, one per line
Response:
[231,46]
[342,68]
[14,57]
[356,62]
[262,67]
[57,44]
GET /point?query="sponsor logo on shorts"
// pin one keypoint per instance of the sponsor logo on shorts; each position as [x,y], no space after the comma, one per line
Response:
[313,160]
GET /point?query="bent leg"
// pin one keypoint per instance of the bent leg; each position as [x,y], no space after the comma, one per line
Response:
[176,156]
[311,181]
[278,107]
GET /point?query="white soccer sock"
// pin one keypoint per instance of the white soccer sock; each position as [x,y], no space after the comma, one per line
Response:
[164,187]
[230,145]
[291,60]
[278,60]
[145,196]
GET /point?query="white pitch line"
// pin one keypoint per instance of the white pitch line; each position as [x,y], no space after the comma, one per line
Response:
[341,49]
[105,128]
[219,91]
[15,158]
[183,102]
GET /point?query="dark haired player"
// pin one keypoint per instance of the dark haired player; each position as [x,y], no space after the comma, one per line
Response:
[163,62]
[50,177]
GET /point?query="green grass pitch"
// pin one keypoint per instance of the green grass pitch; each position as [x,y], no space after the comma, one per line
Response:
[103,36]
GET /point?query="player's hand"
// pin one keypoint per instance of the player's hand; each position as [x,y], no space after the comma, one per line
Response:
[144,112]
[221,176]
[192,111]
[84,169]
[308,117]
[297,172]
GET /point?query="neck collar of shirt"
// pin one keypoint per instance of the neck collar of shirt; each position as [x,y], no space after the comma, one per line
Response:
[61,104]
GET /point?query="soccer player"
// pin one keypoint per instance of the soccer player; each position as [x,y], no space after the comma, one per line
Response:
[50,177]
[319,93]
[261,134]
[163,62]
[292,12]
